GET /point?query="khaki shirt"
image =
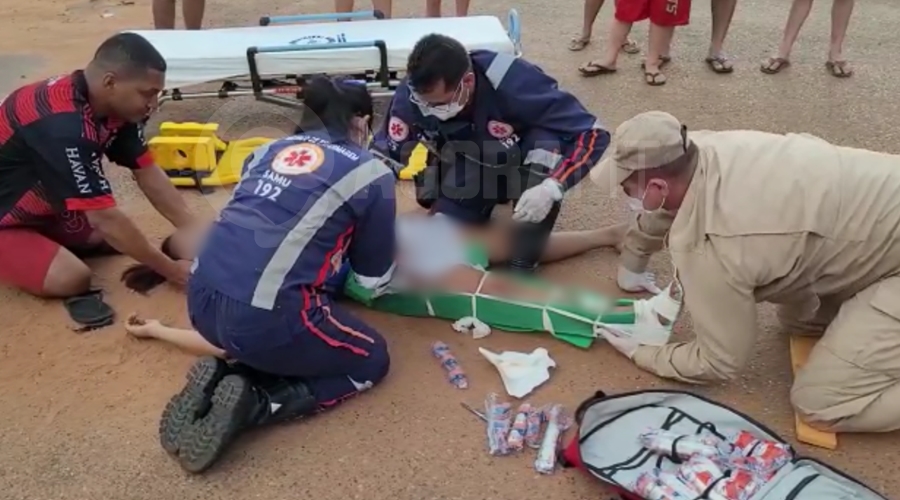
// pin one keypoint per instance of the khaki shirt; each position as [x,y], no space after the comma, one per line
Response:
[788,219]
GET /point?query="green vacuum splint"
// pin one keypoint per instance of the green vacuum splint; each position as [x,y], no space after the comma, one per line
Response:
[570,315]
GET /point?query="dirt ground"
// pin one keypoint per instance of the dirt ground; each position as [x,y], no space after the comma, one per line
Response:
[82,410]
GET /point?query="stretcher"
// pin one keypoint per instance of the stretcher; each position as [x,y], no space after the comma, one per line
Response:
[271,62]
[571,315]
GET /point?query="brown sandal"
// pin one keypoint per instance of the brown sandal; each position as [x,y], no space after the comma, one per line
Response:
[591,69]
[774,65]
[654,79]
[839,69]
[720,65]
[578,43]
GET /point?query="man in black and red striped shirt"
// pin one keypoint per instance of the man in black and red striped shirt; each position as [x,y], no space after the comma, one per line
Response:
[55,200]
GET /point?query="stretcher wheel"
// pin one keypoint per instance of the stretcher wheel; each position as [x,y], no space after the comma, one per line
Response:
[514,29]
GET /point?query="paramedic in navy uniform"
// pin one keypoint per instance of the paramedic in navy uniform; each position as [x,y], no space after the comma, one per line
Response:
[262,286]
[498,130]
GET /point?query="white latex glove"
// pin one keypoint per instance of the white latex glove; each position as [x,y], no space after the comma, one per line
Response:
[536,202]
[636,282]
[625,345]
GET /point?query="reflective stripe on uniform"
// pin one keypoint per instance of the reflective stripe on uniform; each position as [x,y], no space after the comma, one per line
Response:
[544,158]
[498,69]
[306,227]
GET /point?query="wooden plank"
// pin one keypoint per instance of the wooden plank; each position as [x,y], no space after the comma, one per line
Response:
[801,347]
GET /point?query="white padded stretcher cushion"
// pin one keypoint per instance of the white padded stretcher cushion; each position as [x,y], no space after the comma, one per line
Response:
[212,55]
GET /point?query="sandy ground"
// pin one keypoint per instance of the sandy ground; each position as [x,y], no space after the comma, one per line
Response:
[81,410]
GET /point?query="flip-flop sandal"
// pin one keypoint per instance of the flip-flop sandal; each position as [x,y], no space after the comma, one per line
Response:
[774,65]
[839,69]
[663,62]
[89,311]
[578,43]
[654,79]
[720,65]
[593,69]
[630,47]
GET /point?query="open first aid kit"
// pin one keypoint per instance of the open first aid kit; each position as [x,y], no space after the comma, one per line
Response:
[674,445]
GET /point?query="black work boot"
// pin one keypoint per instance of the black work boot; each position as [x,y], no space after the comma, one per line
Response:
[237,405]
[285,400]
[529,239]
[192,403]
[233,405]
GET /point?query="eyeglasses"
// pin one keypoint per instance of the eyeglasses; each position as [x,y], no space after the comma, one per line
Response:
[418,100]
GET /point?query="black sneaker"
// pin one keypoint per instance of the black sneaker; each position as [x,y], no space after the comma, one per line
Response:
[233,405]
[192,403]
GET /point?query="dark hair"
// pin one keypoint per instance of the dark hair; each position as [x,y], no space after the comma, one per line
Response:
[129,54]
[142,279]
[332,104]
[434,59]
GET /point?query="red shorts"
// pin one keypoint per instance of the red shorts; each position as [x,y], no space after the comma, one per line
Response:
[660,12]
[27,252]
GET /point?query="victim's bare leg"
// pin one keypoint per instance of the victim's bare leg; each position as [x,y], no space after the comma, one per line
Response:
[562,245]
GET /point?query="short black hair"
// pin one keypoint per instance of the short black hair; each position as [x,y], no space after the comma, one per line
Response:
[129,54]
[434,59]
[333,103]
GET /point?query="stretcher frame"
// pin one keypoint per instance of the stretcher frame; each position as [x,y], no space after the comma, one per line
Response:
[275,89]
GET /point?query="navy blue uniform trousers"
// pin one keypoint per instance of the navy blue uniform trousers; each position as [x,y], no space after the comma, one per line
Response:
[334,352]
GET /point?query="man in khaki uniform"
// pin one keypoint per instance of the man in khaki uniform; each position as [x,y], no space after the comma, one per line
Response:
[788,219]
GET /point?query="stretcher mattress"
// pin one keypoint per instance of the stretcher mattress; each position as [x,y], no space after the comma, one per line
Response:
[196,57]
